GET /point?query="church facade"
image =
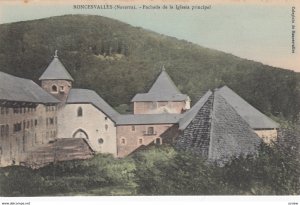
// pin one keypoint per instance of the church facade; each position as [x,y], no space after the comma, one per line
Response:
[34,120]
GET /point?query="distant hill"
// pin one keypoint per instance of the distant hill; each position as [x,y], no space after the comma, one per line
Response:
[118,60]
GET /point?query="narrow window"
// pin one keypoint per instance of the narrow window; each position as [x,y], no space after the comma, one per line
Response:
[7,130]
[140,142]
[132,128]
[158,141]
[150,131]
[106,127]
[123,141]
[79,112]
[61,88]
[54,88]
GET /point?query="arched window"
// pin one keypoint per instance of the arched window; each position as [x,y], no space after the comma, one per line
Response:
[79,112]
[80,134]
[54,88]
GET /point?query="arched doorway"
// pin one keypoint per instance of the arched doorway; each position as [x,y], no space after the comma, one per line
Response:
[80,133]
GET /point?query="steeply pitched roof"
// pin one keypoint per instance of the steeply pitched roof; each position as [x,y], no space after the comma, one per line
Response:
[217,132]
[164,84]
[56,71]
[251,115]
[230,135]
[190,114]
[140,119]
[163,89]
[23,90]
[85,96]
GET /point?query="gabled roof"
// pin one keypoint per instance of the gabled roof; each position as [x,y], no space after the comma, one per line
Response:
[190,114]
[141,119]
[23,90]
[56,71]
[85,96]
[163,89]
[250,114]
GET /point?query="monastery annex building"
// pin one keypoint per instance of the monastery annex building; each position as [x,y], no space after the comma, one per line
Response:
[56,122]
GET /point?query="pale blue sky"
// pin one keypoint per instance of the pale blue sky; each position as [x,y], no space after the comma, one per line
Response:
[260,33]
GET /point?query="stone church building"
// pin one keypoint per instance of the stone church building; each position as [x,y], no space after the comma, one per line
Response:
[56,122]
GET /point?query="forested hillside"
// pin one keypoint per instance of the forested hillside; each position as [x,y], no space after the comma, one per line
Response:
[118,61]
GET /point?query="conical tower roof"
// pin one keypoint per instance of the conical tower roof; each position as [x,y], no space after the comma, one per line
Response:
[56,71]
[163,89]
[164,84]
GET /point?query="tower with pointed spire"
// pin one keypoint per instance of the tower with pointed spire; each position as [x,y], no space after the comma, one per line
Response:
[56,80]
[163,97]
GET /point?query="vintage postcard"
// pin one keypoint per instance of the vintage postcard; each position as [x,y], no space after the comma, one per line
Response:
[184,101]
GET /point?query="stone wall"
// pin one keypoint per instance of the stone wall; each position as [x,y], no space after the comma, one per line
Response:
[28,127]
[131,137]
[158,107]
[94,125]
[267,135]
[62,90]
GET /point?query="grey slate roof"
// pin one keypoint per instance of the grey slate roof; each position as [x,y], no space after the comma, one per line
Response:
[190,114]
[56,71]
[140,119]
[23,90]
[251,115]
[163,89]
[164,84]
[217,132]
[86,96]
[230,135]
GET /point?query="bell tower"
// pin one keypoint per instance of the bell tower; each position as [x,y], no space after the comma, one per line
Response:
[56,80]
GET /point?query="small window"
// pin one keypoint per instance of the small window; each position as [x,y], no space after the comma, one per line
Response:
[106,127]
[100,141]
[79,112]
[150,131]
[51,121]
[132,128]
[61,88]
[123,141]
[6,130]
[158,141]
[105,118]
[2,110]
[54,88]
[140,142]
